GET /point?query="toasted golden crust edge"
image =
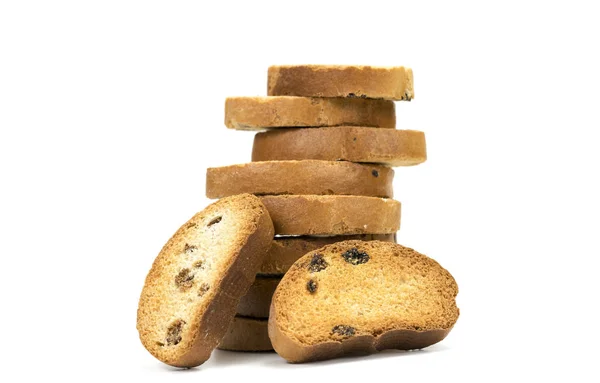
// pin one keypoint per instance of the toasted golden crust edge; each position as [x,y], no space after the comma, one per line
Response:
[333,215]
[348,143]
[392,83]
[272,112]
[295,352]
[300,177]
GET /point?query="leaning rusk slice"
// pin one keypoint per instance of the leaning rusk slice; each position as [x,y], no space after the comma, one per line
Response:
[195,284]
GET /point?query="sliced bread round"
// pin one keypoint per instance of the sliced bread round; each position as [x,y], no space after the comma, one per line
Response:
[300,177]
[256,113]
[361,297]
[195,284]
[332,215]
[349,143]
[393,83]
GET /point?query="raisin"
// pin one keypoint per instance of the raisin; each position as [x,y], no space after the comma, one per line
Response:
[355,257]
[203,289]
[343,330]
[311,286]
[363,96]
[184,280]
[317,263]
[375,173]
[351,95]
[215,220]
[189,249]
[174,332]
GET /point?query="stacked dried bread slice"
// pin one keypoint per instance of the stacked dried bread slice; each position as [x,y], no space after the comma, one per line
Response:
[300,177]
[257,113]
[322,169]
[358,297]
[350,81]
[308,227]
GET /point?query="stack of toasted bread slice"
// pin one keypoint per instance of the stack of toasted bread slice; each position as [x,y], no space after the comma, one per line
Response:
[299,253]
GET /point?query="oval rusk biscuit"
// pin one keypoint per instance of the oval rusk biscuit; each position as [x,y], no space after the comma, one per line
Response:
[392,83]
[332,215]
[256,113]
[356,144]
[195,284]
[300,177]
[361,297]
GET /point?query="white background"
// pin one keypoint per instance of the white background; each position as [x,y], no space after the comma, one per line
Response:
[110,113]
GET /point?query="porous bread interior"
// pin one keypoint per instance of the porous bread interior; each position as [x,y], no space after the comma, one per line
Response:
[213,238]
[397,288]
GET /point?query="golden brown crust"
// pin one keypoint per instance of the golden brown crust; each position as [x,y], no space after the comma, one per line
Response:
[246,334]
[295,352]
[204,313]
[300,177]
[257,301]
[332,215]
[356,144]
[384,295]
[257,113]
[393,83]
[284,251]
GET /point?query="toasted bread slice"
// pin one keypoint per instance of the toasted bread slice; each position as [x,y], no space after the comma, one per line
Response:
[332,215]
[361,297]
[393,83]
[257,301]
[349,143]
[284,251]
[257,113]
[300,177]
[246,334]
[195,284]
